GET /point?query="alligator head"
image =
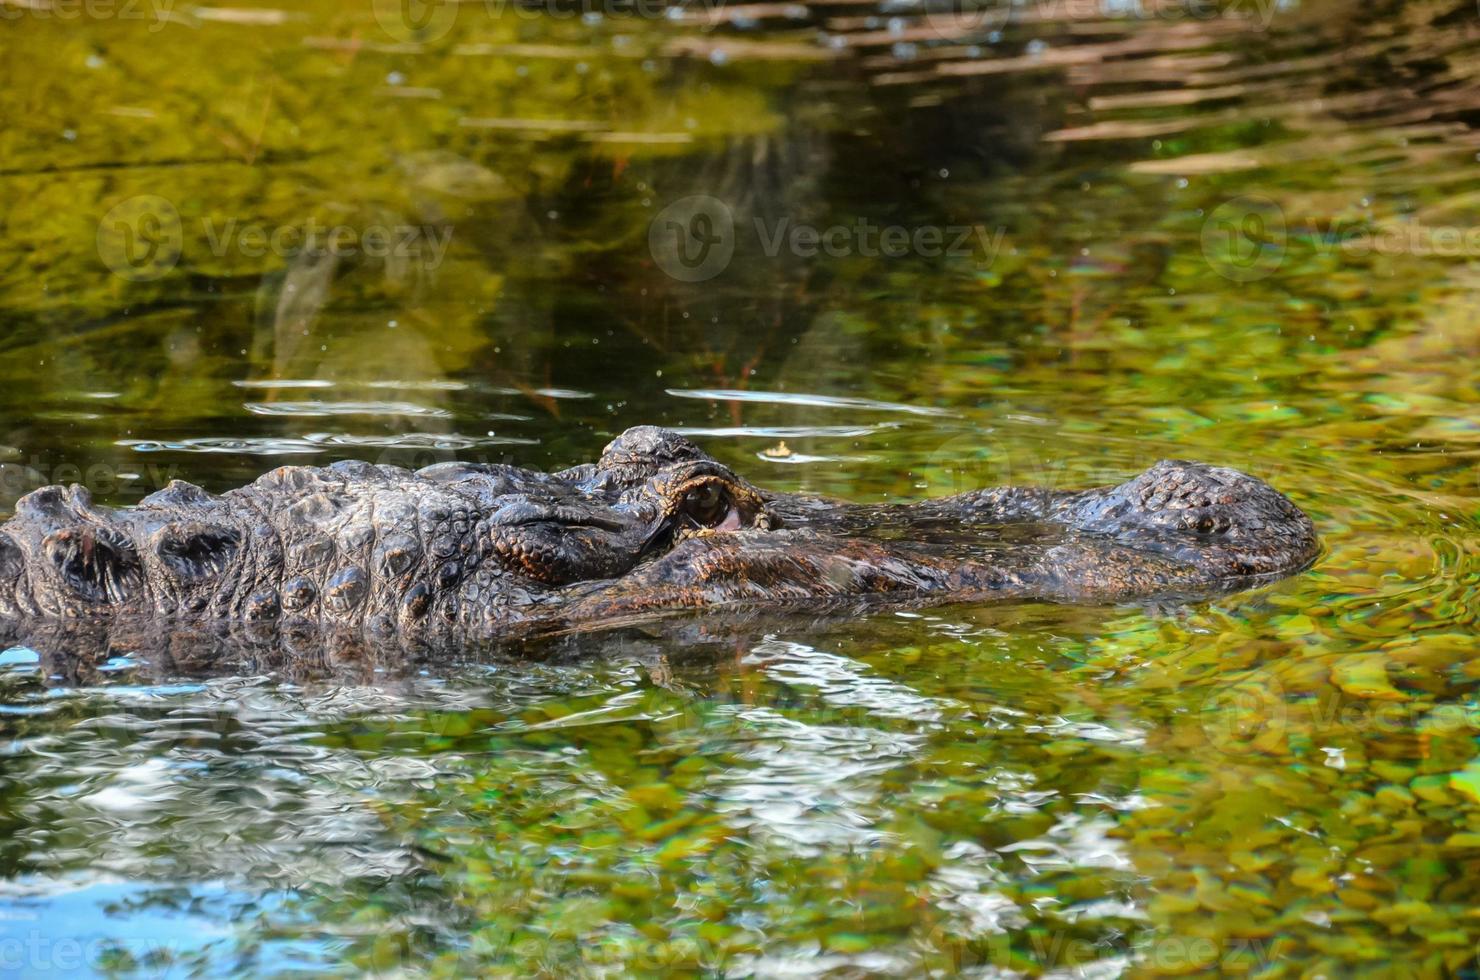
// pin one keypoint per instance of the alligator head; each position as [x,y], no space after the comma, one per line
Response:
[1180,529]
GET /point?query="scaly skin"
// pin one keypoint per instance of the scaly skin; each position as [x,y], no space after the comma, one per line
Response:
[655,524]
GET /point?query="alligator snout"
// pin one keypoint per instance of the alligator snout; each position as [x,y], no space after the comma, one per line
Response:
[1225,523]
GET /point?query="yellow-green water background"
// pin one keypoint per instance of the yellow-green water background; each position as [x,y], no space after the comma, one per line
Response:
[1225,234]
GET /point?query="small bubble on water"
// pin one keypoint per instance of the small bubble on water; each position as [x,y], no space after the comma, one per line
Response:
[395,78]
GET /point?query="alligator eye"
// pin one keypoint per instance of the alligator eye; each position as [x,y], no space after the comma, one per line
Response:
[707,505]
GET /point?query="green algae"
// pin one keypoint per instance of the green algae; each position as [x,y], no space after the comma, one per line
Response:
[1276,783]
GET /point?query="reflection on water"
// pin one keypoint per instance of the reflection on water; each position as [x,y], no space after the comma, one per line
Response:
[237,237]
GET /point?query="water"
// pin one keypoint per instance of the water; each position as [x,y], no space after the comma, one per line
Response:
[1247,237]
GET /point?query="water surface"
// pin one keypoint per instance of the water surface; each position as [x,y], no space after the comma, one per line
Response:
[1246,236]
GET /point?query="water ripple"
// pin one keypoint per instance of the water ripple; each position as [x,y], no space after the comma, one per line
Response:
[801,399]
[324,409]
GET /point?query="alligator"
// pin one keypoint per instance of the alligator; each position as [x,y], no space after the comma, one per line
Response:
[654,525]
